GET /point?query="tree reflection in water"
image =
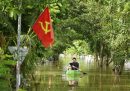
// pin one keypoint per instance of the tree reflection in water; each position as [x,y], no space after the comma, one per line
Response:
[51,79]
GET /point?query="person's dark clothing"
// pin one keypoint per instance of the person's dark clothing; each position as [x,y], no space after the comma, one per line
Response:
[74,65]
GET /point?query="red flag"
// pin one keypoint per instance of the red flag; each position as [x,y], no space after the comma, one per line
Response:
[43,28]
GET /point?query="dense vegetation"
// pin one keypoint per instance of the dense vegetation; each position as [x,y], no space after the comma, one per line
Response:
[99,27]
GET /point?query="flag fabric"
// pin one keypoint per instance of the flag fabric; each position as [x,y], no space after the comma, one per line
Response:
[43,28]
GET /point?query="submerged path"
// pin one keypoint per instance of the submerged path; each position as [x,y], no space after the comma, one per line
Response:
[50,77]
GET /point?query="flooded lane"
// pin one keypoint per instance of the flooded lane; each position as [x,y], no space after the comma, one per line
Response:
[50,77]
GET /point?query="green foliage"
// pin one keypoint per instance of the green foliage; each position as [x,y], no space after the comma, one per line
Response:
[127,7]
[6,68]
[104,24]
[79,47]
[4,85]
[81,26]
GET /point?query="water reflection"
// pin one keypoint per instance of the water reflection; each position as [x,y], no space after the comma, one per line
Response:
[72,88]
[51,77]
[72,76]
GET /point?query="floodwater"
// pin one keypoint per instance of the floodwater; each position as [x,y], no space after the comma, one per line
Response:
[50,77]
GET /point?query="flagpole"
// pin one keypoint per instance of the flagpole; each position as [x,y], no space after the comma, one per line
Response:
[18,49]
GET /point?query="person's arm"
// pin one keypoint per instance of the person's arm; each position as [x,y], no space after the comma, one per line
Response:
[76,65]
[69,67]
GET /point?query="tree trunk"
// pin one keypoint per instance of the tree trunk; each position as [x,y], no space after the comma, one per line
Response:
[111,57]
[121,66]
[107,60]
[101,56]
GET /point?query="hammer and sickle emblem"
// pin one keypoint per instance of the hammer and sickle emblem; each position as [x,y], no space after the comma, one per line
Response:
[45,29]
